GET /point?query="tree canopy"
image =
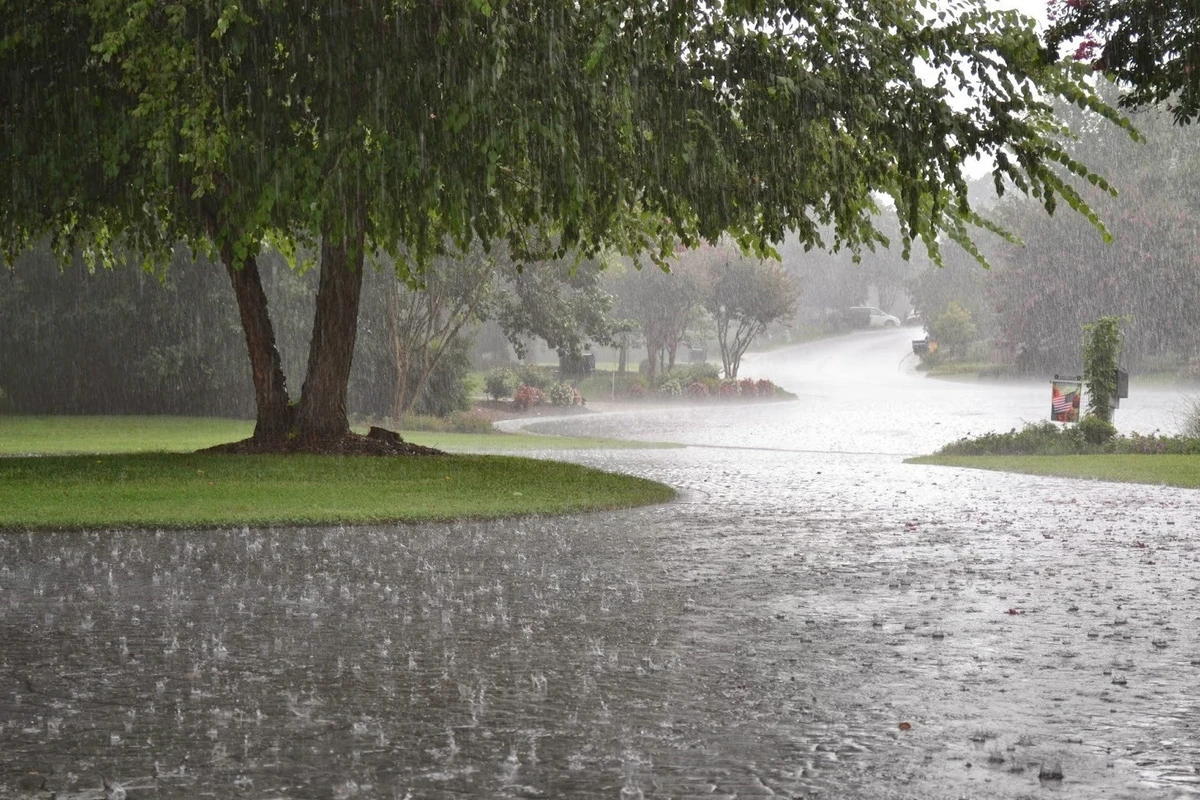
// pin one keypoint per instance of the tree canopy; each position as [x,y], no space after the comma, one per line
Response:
[1152,47]
[397,124]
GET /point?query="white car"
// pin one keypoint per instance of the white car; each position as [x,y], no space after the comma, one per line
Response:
[874,318]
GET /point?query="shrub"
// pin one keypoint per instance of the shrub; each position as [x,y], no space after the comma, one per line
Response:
[688,374]
[561,394]
[1036,438]
[528,396]
[747,387]
[954,329]
[537,377]
[765,388]
[500,383]
[1096,429]
[637,389]
[671,388]
[727,388]
[698,389]
[1047,439]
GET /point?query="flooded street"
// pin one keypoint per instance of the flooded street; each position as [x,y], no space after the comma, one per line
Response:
[812,618]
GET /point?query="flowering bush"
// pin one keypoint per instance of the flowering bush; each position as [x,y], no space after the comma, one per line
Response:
[765,388]
[728,388]
[671,388]
[698,389]
[747,387]
[561,394]
[637,390]
[528,396]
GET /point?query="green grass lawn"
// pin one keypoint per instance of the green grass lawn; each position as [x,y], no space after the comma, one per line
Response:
[143,472]
[38,435]
[1168,470]
[191,490]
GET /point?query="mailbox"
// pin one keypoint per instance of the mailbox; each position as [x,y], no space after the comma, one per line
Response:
[1122,387]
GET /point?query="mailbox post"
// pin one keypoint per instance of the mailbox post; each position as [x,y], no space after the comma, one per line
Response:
[1122,387]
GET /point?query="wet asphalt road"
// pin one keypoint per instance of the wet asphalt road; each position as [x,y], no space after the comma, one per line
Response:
[812,618]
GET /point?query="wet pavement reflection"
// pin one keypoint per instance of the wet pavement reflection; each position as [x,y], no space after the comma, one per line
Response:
[812,618]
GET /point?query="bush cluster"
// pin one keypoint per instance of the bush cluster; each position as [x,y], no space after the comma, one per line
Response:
[500,383]
[1048,439]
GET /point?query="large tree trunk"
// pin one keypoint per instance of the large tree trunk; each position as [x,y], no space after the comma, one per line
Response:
[321,414]
[270,388]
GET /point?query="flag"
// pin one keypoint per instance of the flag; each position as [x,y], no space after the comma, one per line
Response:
[1064,400]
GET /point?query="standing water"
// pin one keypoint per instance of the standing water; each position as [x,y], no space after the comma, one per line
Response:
[813,618]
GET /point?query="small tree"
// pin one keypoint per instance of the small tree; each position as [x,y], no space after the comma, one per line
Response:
[954,329]
[1101,349]
[744,296]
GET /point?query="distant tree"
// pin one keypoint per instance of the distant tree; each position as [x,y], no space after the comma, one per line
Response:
[1065,276]
[562,302]
[661,303]
[426,319]
[744,295]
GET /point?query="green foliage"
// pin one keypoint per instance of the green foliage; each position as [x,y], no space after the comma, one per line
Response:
[1145,47]
[78,342]
[1091,436]
[953,330]
[1037,438]
[689,373]
[535,376]
[500,383]
[1101,351]
[1096,430]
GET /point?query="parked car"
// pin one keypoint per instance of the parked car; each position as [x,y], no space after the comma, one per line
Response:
[871,317]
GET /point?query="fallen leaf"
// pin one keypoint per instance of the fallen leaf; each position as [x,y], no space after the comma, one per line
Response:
[906,726]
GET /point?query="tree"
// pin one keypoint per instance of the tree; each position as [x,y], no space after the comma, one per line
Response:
[1152,47]
[1064,275]
[373,124]
[744,295]
[561,302]
[424,321]
[661,303]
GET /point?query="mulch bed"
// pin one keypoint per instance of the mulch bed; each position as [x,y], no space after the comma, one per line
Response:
[377,442]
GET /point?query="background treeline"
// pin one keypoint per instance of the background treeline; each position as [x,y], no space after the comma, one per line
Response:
[123,341]
[1029,308]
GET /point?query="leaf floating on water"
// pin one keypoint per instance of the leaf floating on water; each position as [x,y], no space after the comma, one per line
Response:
[906,726]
